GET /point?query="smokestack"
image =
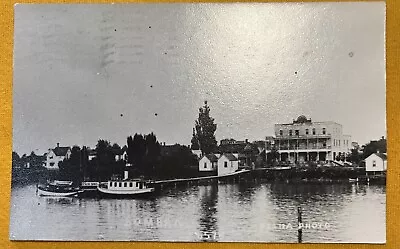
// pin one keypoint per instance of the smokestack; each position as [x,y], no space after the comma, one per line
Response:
[58,145]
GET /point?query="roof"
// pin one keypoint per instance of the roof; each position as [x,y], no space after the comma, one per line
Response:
[211,157]
[230,157]
[60,151]
[381,155]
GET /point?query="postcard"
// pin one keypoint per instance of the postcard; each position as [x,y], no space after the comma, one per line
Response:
[234,122]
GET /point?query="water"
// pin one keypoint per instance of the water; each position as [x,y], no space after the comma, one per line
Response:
[259,212]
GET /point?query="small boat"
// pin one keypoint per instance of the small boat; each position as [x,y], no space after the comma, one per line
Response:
[125,188]
[58,189]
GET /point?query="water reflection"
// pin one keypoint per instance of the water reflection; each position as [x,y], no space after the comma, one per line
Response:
[241,211]
[208,213]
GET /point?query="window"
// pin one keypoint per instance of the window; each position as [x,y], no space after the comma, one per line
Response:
[290,132]
[131,184]
[125,184]
[280,132]
[323,131]
[120,184]
[50,157]
[137,184]
[306,131]
[313,131]
[52,164]
[205,165]
[225,164]
[115,184]
[297,132]
[373,163]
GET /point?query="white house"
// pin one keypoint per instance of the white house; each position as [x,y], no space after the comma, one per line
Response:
[56,155]
[208,162]
[227,163]
[376,162]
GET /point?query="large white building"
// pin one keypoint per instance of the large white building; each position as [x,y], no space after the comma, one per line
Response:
[304,140]
[57,155]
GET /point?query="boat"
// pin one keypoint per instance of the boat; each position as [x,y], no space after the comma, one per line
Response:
[58,189]
[125,188]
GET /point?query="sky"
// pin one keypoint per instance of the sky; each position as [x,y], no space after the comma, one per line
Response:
[107,71]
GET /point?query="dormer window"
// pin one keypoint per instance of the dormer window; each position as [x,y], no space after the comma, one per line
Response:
[323,131]
[290,132]
[313,131]
[280,132]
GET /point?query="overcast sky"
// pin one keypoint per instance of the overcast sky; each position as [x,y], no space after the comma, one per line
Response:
[77,68]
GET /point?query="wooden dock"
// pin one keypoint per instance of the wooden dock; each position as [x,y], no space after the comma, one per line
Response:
[196,179]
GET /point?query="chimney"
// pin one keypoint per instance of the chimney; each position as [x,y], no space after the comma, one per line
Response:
[126,175]
[247,140]
[58,145]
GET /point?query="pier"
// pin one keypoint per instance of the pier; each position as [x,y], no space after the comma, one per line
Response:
[197,179]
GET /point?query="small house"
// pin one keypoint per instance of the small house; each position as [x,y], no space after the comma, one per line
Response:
[57,155]
[376,163]
[208,162]
[227,163]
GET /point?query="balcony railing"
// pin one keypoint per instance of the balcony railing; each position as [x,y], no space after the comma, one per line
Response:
[303,147]
[309,136]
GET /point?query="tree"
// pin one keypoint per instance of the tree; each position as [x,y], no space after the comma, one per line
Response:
[205,131]
[354,156]
[16,160]
[195,141]
[273,156]
[105,159]
[143,153]
[70,169]
[374,146]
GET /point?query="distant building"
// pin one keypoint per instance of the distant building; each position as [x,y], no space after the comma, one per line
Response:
[227,163]
[376,163]
[56,155]
[304,140]
[208,162]
[197,153]
[33,161]
[231,141]
[91,154]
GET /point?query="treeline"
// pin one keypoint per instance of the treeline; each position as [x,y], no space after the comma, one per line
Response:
[27,168]
[373,146]
[144,157]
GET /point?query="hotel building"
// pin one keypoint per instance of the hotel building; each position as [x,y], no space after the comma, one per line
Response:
[304,140]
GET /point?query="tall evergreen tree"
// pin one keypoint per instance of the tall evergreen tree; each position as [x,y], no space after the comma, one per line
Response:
[195,141]
[205,130]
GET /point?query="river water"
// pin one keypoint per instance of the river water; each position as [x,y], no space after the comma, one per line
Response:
[255,211]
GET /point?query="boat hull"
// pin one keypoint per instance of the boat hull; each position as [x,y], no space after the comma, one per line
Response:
[43,192]
[125,193]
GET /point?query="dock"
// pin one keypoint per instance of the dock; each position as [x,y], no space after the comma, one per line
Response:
[196,179]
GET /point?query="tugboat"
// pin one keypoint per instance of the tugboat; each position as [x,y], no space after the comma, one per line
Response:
[58,189]
[125,188]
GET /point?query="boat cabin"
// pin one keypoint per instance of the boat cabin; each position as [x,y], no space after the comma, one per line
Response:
[126,185]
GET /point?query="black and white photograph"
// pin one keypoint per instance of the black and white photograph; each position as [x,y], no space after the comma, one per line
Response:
[228,122]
